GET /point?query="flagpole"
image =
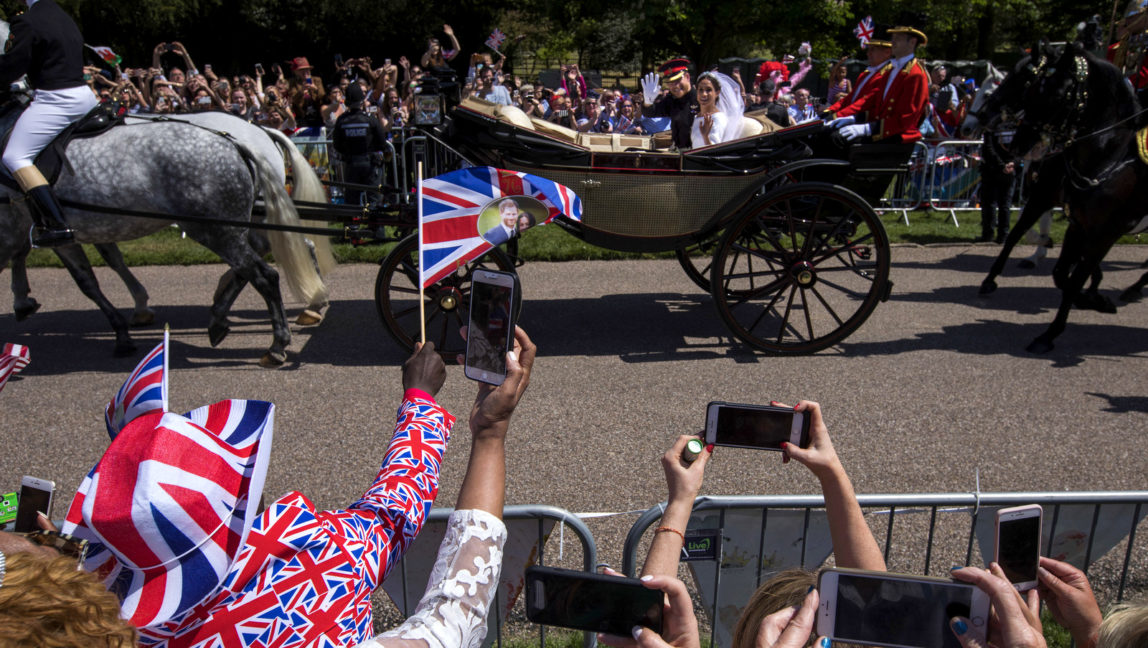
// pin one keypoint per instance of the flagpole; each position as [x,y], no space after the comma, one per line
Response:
[166,355]
[422,265]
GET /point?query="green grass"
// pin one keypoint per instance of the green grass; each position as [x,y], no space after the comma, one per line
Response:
[168,247]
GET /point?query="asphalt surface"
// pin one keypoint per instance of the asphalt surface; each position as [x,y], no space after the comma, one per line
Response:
[935,386]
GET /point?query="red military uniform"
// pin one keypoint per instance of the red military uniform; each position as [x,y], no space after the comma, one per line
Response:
[870,82]
[899,112]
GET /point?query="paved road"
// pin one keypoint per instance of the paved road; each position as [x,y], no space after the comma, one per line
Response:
[935,386]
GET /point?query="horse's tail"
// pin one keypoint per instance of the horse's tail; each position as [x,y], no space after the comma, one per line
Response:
[308,188]
[291,251]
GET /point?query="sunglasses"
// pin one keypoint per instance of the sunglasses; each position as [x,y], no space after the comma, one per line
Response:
[67,545]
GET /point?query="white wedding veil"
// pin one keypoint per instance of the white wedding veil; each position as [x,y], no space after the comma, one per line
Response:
[729,104]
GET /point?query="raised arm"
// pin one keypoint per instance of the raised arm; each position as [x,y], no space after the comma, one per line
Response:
[684,482]
[853,542]
[454,46]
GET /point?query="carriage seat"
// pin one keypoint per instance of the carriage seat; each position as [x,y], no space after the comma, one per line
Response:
[597,142]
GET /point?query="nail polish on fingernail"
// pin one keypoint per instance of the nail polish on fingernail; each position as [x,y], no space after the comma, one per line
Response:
[710,448]
[636,631]
[510,355]
[826,642]
[784,445]
[647,577]
[956,567]
[774,403]
[42,514]
[809,590]
[959,627]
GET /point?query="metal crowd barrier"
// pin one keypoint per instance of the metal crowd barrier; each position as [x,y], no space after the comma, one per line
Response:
[806,510]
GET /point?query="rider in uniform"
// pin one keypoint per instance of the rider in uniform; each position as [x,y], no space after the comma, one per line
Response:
[359,140]
[680,105]
[870,80]
[45,44]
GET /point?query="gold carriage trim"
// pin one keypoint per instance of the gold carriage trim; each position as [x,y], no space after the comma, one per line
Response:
[1142,144]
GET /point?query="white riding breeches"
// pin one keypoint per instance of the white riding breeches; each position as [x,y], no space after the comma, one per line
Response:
[49,113]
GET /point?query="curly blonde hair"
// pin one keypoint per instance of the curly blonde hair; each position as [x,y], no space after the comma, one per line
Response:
[48,603]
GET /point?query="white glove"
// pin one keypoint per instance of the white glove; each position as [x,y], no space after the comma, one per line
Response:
[842,122]
[650,87]
[855,131]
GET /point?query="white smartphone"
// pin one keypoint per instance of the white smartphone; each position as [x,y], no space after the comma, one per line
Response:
[763,427]
[1017,545]
[897,610]
[35,496]
[490,326]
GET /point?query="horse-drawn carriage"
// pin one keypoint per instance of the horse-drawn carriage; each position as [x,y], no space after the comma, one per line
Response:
[794,265]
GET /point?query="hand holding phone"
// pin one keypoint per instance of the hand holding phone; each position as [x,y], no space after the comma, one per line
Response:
[1016,620]
[259,69]
[490,327]
[592,602]
[1016,547]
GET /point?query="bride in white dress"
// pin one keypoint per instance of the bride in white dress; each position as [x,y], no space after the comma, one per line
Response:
[720,110]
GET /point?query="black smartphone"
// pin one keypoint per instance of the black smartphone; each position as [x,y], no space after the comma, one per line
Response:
[35,497]
[591,602]
[762,427]
[259,69]
[490,326]
[338,60]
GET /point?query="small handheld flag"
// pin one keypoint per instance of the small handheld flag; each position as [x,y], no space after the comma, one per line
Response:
[106,53]
[452,205]
[13,360]
[496,39]
[864,30]
[144,391]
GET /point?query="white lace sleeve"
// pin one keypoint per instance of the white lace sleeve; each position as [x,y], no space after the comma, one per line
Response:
[453,611]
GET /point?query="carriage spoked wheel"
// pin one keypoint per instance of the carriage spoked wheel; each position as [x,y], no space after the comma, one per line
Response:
[696,260]
[446,303]
[801,268]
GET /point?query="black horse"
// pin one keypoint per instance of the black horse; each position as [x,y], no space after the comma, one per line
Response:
[1077,112]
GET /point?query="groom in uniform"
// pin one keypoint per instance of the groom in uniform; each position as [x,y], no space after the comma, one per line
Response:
[680,105]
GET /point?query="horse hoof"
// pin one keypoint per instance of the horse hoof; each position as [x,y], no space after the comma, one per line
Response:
[988,286]
[309,318]
[1096,302]
[24,312]
[1025,264]
[124,349]
[143,318]
[271,360]
[217,332]
[1129,296]
[1039,345]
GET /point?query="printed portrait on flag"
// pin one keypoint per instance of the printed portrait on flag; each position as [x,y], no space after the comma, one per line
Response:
[505,218]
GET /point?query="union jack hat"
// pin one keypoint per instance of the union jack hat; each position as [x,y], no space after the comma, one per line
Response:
[168,507]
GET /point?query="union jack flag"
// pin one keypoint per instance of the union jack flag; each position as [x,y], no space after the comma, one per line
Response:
[451,203]
[304,577]
[168,506]
[144,391]
[13,361]
[496,39]
[864,30]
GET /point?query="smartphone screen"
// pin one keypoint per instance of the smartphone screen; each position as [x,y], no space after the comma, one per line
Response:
[754,426]
[490,328]
[890,611]
[33,500]
[1018,544]
[591,602]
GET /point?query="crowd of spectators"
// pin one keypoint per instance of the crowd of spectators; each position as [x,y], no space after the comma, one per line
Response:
[291,97]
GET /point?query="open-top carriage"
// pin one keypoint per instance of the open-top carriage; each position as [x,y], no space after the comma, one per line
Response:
[795,261]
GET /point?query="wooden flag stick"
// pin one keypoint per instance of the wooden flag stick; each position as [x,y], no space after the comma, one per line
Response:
[422,265]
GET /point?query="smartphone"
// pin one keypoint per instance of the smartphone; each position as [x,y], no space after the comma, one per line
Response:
[763,427]
[35,497]
[897,610]
[170,47]
[490,326]
[386,62]
[207,66]
[338,60]
[591,602]
[1017,545]
[259,69]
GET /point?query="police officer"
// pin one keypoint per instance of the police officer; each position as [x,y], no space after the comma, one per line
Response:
[680,105]
[359,140]
[46,45]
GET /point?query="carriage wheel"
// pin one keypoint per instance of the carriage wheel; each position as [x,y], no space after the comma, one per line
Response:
[446,302]
[801,269]
[697,259]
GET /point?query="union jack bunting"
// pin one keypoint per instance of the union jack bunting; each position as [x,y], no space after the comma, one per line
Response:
[451,203]
[13,361]
[496,39]
[144,391]
[864,30]
[168,507]
[304,577]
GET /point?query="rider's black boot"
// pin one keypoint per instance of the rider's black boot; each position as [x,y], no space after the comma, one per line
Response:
[51,229]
